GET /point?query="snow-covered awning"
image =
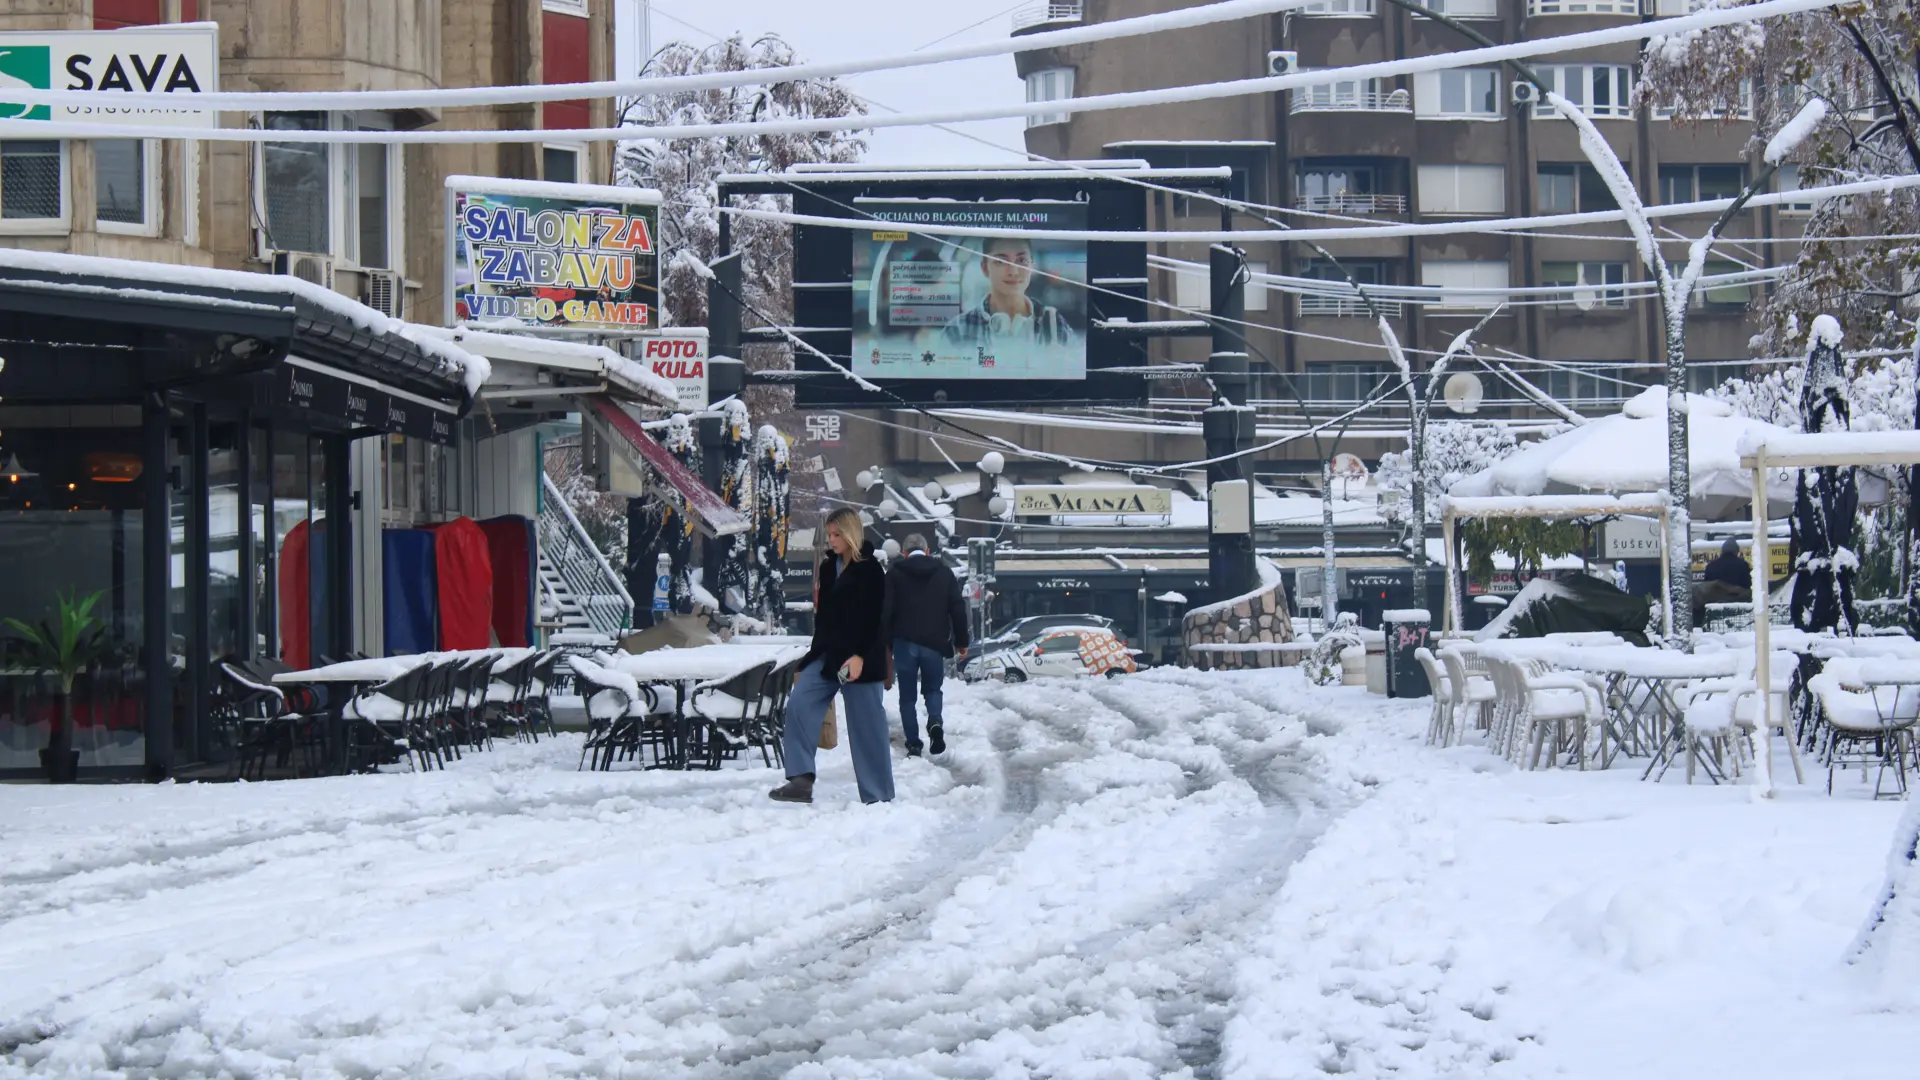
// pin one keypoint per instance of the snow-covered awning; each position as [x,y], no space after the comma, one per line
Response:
[1627,452]
[537,369]
[1647,504]
[276,309]
[1796,450]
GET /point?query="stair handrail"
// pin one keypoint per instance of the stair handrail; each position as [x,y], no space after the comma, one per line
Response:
[580,538]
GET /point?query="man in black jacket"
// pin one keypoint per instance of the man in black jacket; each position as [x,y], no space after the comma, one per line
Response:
[927,622]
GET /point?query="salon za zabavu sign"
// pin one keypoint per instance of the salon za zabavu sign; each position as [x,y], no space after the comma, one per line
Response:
[569,256]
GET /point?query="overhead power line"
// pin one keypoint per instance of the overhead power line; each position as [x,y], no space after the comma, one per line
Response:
[1700,20]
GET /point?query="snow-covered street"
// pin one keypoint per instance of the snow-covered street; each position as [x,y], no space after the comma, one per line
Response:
[1176,873]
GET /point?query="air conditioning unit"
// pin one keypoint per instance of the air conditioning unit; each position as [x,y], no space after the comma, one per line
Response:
[306,266]
[383,291]
[1283,62]
[1524,92]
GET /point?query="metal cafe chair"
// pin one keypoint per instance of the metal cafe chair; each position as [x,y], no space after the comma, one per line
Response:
[508,690]
[394,710]
[539,707]
[254,717]
[618,714]
[725,716]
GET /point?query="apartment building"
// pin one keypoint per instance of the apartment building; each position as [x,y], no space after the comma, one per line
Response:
[1454,145]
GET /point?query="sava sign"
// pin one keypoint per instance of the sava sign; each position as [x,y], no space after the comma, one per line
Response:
[108,66]
[1048,500]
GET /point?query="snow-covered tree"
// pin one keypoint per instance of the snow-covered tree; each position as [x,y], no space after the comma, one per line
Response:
[772,507]
[1826,499]
[1857,59]
[686,170]
[1455,449]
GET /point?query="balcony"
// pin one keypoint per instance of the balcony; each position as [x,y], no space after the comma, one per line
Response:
[1330,99]
[1048,13]
[1358,205]
[1345,305]
[1589,7]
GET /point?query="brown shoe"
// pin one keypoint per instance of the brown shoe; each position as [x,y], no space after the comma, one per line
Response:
[797,789]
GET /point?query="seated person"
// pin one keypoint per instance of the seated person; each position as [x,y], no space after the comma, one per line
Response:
[1729,580]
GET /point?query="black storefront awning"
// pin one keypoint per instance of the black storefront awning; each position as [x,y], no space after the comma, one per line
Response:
[110,328]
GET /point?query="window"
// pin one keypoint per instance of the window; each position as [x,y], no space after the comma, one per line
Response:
[566,7]
[369,204]
[1256,292]
[1345,382]
[1465,9]
[1469,283]
[1589,282]
[1602,91]
[1337,7]
[1193,289]
[296,179]
[345,202]
[1314,180]
[1589,382]
[1053,84]
[1569,189]
[122,184]
[561,164]
[31,187]
[1742,110]
[1789,178]
[1247,162]
[1709,294]
[1458,93]
[1340,299]
[1583,7]
[1694,183]
[1463,189]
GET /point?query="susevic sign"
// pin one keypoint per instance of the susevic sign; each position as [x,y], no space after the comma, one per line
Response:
[1046,500]
[107,66]
[680,357]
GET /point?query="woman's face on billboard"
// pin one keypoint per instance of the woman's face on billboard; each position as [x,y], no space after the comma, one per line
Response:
[1009,267]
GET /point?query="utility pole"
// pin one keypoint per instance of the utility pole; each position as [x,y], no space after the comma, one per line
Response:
[1228,427]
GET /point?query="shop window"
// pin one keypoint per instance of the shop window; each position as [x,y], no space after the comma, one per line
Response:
[32,187]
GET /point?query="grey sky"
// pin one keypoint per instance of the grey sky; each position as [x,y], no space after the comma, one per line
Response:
[850,29]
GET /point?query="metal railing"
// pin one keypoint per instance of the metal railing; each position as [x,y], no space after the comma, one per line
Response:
[1352,204]
[1344,305]
[1050,11]
[1305,100]
[599,591]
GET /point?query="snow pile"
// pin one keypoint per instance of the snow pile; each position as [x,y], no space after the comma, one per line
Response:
[1270,580]
[1793,133]
[1535,591]
[1888,948]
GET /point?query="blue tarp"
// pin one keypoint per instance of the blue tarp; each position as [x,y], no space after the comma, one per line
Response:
[411,601]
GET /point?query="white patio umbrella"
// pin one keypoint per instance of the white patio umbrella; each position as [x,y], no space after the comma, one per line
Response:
[1627,452]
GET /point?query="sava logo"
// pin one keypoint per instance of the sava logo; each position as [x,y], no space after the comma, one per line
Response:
[118,72]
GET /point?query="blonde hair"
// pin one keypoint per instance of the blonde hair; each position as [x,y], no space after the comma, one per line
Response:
[847,520]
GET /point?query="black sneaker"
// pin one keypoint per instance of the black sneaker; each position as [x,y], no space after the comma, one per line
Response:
[913,749]
[936,739]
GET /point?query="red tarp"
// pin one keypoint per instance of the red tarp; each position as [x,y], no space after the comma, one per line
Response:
[465,572]
[295,625]
[510,544]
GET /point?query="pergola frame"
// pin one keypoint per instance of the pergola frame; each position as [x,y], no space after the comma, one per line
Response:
[1801,451]
[1550,508]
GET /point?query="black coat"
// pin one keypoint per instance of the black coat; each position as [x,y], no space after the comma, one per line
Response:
[924,605]
[847,619]
[1730,570]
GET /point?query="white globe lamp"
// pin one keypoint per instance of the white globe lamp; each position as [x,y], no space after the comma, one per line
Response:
[864,478]
[933,491]
[992,463]
[891,547]
[997,506]
[887,509]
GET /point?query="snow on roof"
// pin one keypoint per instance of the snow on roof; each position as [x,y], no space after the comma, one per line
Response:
[1547,506]
[545,189]
[450,358]
[1270,579]
[1536,590]
[536,350]
[1028,172]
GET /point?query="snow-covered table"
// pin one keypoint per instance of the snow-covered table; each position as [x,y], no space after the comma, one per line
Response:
[352,674]
[687,669]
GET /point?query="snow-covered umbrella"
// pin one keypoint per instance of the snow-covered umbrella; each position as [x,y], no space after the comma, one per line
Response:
[1627,452]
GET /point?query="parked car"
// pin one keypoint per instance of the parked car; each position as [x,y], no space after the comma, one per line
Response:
[1059,651]
[1020,631]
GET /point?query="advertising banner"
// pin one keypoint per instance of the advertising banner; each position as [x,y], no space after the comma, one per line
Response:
[680,357]
[179,61]
[1047,500]
[968,308]
[554,255]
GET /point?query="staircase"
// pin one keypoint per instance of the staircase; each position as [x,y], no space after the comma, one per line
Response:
[576,582]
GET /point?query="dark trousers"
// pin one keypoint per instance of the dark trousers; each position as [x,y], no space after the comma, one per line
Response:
[920,670]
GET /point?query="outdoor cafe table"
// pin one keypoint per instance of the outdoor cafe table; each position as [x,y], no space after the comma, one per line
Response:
[351,675]
[1642,714]
[685,669]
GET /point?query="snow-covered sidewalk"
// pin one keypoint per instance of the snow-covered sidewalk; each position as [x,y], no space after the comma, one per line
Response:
[1171,874]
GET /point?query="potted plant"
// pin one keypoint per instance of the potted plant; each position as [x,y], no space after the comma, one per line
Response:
[72,642]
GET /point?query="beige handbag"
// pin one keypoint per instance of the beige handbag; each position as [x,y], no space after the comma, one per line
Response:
[830,727]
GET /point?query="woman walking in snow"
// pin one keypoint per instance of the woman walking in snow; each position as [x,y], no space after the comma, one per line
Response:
[849,658]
